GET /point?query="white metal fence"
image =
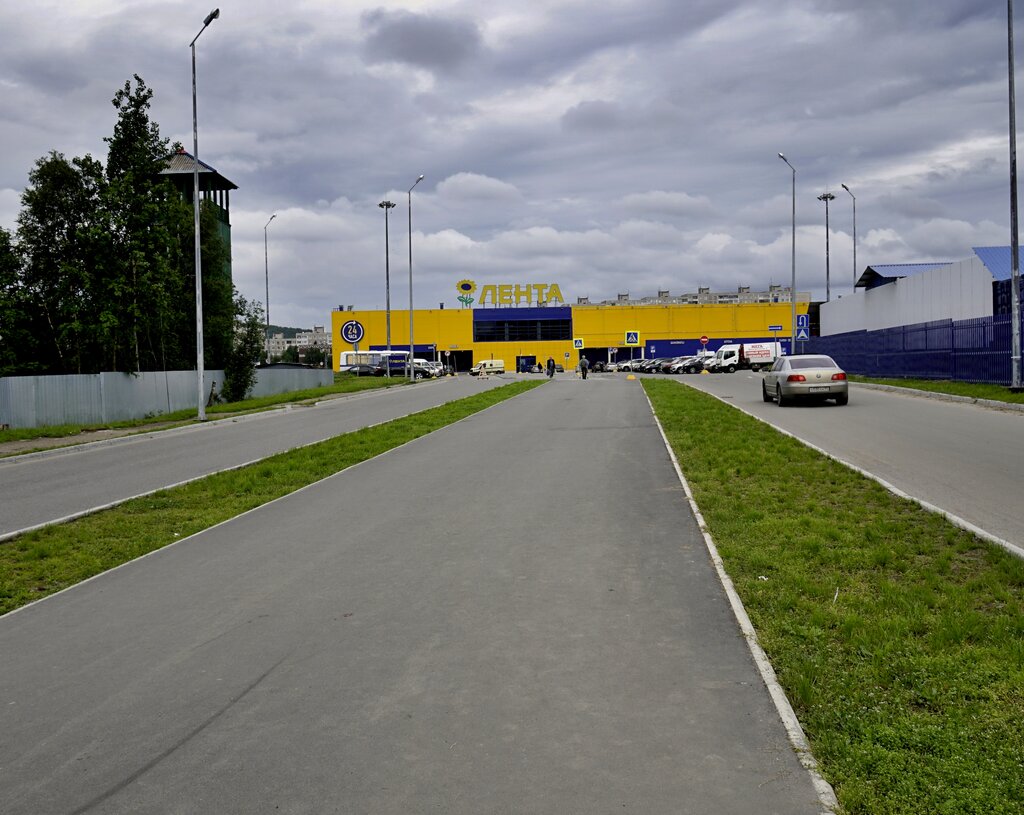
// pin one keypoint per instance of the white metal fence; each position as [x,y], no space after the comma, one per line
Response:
[40,401]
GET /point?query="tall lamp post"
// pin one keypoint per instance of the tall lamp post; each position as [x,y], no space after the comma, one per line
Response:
[412,345]
[201,391]
[826,197]
[266,272]
[1015,377]
[386,206]
[854,197]
[792,285]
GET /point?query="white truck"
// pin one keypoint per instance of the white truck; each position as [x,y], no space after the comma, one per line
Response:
[753,355]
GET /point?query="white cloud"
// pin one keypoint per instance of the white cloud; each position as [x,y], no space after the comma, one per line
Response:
[627,147]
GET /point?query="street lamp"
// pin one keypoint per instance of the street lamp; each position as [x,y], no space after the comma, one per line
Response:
[213,15]
[792,285]
[826,197]
[412,345]
[266,272]
[1015,377]
[854,197]
[387,205]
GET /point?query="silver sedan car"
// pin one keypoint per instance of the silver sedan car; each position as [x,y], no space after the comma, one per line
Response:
[805,376]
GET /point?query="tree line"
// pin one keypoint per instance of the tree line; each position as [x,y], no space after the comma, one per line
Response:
[99,274]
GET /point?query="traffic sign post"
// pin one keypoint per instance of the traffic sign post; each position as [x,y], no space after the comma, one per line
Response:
[775,329]
[803,328]
[704,340]
[632,338]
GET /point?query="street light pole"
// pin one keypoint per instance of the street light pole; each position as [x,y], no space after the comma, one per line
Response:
[854,197]
[266,272]
[826,197]
[792,285]
[386,206]
[412,345]
[201,391]
[1015,376]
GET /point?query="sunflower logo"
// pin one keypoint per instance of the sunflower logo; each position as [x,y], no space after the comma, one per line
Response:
[466,289]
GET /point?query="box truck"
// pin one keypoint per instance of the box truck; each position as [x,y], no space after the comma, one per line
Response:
[752,355]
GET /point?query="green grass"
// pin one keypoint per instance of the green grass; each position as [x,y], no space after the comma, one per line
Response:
[997,393]
[343,383]
[39,563]
[910,682]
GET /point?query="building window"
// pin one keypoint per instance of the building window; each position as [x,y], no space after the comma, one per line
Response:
[522,330]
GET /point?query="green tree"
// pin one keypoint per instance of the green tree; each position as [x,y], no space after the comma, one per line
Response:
[290,354]
[61,235]
[144,289]
[315,356]
[16,337]
[246,351]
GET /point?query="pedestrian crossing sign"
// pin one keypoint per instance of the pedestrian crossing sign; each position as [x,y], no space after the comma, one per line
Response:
[801,334]
[632,338]
[577,343]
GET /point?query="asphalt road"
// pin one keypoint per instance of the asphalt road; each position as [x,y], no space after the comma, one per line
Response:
[516,614]
[43,488]
[963,458]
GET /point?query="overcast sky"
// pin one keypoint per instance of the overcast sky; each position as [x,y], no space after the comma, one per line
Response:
[609,146]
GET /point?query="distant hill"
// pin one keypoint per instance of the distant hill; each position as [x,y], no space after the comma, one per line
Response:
[289,333]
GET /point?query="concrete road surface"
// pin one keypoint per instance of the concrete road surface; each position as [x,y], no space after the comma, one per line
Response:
[516,614]
[966,459]
[44,488]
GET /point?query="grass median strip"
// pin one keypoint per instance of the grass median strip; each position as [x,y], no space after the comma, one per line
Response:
[898,637]
[45,561]
[970,390]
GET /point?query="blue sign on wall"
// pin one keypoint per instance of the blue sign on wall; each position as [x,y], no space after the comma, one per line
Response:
[352,331]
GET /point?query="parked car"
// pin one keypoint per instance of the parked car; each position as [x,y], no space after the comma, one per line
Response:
[362,369]
[695,364]
[805,376]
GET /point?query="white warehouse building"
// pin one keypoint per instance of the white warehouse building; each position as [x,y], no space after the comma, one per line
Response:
[905,294]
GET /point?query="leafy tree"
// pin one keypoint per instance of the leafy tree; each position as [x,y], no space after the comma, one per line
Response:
[103,273]
[61,231]
[315,356]
[290,354]
[246,351]
[143,290]
[16,337]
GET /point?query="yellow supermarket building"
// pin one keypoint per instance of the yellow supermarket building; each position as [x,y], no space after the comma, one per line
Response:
[524,323]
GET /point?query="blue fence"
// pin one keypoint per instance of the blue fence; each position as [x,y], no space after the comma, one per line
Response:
[975,350]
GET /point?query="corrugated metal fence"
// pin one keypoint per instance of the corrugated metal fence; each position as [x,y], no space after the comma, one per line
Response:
[975,350]
[40,401]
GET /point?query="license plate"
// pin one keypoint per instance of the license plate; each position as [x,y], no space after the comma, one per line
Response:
[818,389]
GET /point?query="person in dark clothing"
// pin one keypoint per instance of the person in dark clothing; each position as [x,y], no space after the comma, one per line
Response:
[584,366]
[551,366]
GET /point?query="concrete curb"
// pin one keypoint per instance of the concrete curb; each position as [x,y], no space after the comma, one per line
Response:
[797,737]
[956,520]
[993,404]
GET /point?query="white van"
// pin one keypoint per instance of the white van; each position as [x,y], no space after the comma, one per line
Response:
[488,366]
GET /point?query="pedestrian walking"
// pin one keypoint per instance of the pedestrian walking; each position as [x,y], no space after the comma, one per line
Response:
[584,366]
[551,367]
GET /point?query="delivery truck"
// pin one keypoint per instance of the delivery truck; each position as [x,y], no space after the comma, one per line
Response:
[752,355]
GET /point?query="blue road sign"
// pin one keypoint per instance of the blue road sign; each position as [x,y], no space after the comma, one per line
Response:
[775,328]
[577,343]
[632,338]
[803,321]
[802,334]
[352,331]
